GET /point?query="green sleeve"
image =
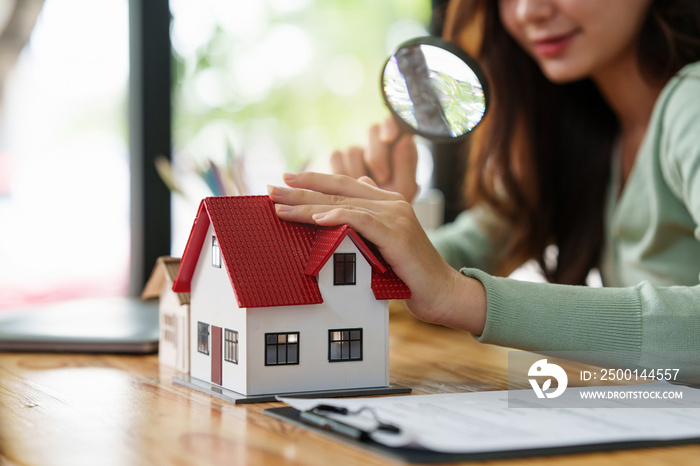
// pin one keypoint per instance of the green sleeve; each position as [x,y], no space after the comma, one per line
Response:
[633,323]
[475,239]
[550,317]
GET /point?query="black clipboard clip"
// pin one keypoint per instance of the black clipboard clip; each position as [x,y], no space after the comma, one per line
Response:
[318,416]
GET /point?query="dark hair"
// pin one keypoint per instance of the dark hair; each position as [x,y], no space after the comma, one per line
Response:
[542,156]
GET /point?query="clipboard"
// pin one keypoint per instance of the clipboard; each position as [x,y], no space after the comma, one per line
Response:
[413,455]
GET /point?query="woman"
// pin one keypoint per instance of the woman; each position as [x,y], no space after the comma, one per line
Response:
[592,145]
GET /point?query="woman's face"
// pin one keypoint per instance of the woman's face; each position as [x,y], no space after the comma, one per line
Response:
[574,39]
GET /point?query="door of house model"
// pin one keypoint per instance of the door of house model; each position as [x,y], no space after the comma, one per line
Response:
[216,354]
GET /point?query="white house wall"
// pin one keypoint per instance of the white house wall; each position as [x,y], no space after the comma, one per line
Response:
[344,307]
[212,301]
[175,355]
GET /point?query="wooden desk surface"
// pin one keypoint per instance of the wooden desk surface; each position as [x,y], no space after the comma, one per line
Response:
[125,410]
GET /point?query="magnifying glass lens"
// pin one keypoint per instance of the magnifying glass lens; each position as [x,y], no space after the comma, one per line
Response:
[435,89]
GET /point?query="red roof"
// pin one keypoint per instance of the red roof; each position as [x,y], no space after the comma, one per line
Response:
[271,262]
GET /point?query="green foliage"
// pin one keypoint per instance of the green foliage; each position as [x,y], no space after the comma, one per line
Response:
[308,110]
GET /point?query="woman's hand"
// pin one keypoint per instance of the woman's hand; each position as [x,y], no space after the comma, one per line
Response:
[440,294]
[390,159]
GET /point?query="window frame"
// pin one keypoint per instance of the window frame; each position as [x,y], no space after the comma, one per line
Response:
[215,253]
[341,259]
[231,346]
[277,345]
[203,338]
[169,327]
[349,340]
[150,134]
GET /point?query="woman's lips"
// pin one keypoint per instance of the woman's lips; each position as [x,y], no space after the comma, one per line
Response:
[553,46]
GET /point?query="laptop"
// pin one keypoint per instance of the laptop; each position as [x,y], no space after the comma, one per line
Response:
[101,325]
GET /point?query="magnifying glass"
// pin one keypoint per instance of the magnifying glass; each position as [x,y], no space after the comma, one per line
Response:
[434,89]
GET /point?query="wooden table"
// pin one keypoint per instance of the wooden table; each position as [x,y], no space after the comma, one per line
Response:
[125,410]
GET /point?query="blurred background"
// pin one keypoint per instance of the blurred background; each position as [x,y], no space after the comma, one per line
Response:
[256,88]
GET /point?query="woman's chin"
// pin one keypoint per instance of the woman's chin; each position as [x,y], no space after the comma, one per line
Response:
[561,73]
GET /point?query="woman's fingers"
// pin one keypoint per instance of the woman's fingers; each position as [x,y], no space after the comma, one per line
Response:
[367,180]
[365,221]
[306,213]
[405,163]
[391,159]
[377,158]
[389,130]
[350,162]
[340,185]
[354,162]
[338,163]
[336,199]
[299,205]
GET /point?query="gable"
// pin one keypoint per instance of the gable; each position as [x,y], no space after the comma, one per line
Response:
[164,272]
[267,259]
[385,283]
[327,241]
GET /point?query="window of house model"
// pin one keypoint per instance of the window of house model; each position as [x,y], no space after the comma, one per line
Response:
[215,252]
[344,269]
[169,328]
[281,348]
[203,338]
[345,345]
[231,346]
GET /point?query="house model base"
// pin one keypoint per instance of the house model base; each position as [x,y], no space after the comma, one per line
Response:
[237,398]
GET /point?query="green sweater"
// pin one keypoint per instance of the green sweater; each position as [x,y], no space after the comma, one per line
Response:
[651,260]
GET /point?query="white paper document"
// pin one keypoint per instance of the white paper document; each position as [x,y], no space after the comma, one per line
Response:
[483,422]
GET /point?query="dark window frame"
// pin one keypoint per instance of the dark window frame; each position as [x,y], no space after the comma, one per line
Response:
[345,340]
[150,133]
[231,346]
[344,264]
[277,344]
[215,253]
[203,338]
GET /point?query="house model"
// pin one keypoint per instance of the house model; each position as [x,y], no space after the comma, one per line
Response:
[174,311]
[280,307]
